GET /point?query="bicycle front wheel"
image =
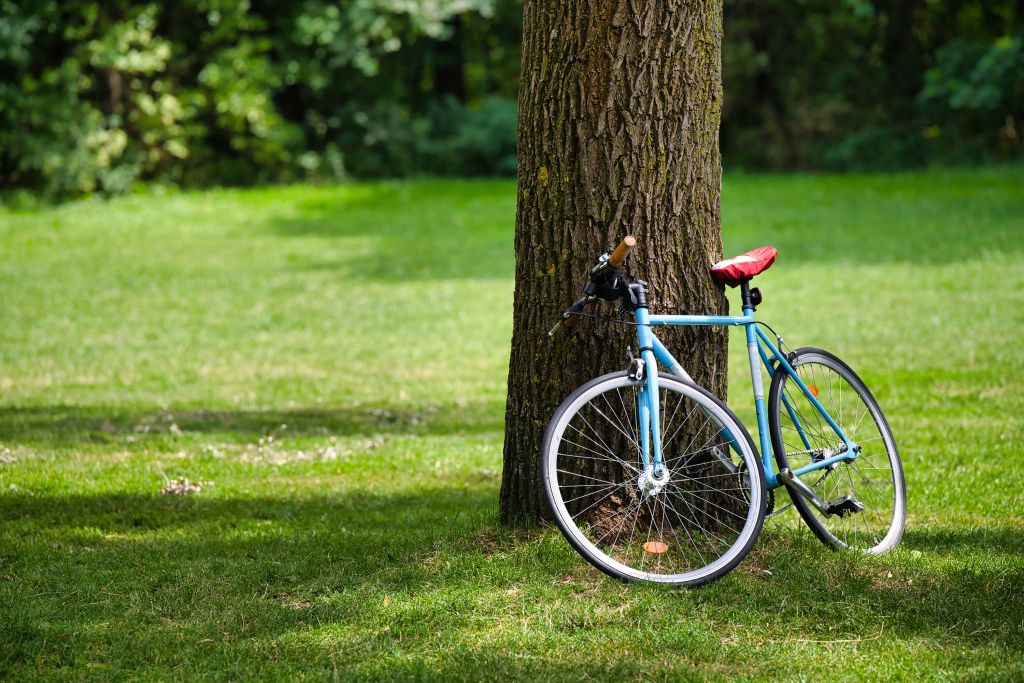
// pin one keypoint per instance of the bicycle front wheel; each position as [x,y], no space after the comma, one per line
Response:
[868,493]
[692,524]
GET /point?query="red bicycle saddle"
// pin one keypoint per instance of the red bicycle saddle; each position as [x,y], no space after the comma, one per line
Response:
[735,270]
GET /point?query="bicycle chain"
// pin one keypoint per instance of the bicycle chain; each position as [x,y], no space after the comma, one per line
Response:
[773,512]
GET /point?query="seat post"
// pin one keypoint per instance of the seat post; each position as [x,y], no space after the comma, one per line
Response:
[745,295]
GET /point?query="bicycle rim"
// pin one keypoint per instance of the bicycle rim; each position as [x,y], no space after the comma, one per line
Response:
[693,528]
[874,479]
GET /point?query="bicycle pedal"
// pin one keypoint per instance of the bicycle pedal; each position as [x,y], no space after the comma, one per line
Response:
[841,507]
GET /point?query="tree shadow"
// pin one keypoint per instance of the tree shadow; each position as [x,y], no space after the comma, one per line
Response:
[64,425]
[71,563]
[923,219]
[951,540]
[458,230]
[128,574]
[415,231]
[946,595]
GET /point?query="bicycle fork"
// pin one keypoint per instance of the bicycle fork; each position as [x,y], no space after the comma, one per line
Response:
[650,438]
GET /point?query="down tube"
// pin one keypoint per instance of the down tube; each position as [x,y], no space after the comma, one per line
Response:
[668,360]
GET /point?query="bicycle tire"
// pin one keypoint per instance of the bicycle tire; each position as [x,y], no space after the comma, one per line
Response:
[752,495]
[834,531]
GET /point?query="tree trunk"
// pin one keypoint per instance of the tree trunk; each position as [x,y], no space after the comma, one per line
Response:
[619,110]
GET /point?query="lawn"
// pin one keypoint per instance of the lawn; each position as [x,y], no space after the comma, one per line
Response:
[333,360]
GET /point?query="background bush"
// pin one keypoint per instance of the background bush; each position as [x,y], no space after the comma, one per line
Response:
[102,96]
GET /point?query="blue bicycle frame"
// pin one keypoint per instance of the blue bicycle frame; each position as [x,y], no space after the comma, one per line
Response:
[760,350]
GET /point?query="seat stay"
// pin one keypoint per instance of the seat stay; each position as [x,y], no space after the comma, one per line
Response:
[789,370]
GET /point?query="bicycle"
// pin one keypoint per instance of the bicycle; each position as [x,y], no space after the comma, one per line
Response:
[663,483]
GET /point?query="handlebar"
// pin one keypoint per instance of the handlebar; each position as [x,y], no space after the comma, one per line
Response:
[572,316]
[622,251]
[599,276]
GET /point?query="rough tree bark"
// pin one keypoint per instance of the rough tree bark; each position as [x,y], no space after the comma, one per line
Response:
[619,111]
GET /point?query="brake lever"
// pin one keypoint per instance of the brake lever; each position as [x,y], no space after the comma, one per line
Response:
[576,309]
[602,263]
[604,282]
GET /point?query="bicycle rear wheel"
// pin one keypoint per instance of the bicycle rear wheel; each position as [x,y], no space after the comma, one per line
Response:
[686,528]
[800,436]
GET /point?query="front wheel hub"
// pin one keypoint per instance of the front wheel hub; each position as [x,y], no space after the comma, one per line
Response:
[650,484]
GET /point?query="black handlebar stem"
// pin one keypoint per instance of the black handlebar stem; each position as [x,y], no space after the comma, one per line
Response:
[606,283]
[637,291]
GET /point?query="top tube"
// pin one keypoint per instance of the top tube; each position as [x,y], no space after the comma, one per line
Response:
[705,320]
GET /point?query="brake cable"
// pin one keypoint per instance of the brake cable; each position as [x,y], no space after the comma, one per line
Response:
[611,319]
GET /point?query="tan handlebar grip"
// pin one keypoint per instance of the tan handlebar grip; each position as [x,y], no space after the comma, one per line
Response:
[571,321]
[621,251]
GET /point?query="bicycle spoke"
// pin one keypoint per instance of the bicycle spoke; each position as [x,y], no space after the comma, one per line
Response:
[867,479]
[699,516]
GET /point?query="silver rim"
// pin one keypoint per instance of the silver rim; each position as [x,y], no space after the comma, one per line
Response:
[705,515]
[875,478]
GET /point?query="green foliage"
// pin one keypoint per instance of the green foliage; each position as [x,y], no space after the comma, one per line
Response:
[449,139]
[478,141]
[102,97]
[362,32]
[865,84]
[972,96]
[123,101]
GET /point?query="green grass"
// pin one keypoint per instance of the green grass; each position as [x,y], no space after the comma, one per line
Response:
[334,359]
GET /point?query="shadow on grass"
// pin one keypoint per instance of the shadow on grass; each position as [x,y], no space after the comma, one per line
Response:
[68,425]
[370,579]
[949,540]
[956,593]
[454,230]
[70,564]
[414,231]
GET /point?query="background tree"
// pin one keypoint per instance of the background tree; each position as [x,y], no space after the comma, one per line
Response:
[619,111]
[101,96]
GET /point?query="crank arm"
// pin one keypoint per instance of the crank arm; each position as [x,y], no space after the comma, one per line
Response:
[805,491]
